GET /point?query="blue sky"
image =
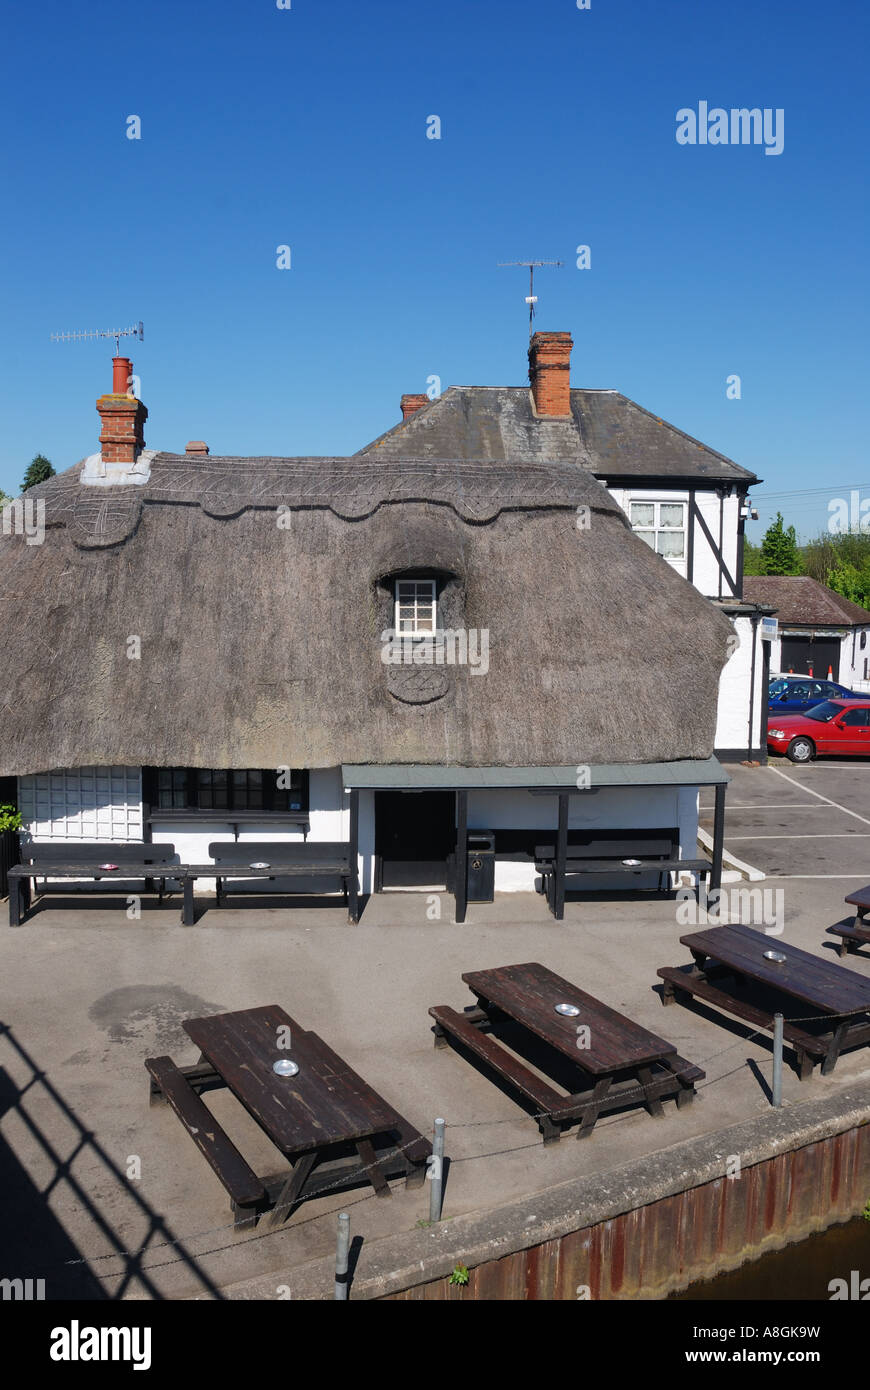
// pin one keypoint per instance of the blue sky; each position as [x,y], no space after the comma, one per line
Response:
[306,127]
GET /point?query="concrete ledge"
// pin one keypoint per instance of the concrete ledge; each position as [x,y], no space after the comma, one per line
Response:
[423,1255]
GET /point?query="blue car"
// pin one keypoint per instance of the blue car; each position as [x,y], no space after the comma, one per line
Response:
[792,694]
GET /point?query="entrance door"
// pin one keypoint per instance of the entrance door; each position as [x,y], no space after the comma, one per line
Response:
[414,833]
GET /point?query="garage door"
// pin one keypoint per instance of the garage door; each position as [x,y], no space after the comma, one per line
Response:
[807,657]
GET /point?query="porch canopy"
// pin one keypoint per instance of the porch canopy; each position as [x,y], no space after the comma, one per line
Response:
[561,782]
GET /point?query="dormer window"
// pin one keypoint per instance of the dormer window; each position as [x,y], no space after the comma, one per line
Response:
[416,607]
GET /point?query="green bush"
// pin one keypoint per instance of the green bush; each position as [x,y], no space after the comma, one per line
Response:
[10,819]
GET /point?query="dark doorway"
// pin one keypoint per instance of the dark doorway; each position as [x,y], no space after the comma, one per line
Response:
[811,656]
[414,833]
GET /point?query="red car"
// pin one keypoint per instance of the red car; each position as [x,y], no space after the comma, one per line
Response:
[834,726]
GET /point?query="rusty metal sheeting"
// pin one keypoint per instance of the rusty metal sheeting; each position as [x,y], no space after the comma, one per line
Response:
[653,1250]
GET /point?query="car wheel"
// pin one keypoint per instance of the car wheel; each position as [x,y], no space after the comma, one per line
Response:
[801,750]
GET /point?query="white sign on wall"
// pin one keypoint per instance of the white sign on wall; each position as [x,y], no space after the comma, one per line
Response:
[769,629]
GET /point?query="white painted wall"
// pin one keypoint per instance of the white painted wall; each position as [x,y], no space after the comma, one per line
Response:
[732,724]
[329,815]
[329,819]
[705,565]
[609,808]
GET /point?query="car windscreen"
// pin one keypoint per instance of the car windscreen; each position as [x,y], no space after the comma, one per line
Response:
[824,712]
[777,687]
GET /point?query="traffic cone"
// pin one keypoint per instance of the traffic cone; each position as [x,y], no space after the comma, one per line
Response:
[830,673]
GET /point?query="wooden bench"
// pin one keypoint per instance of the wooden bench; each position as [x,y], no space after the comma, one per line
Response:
[58,862]
[233,873]
[609,852]
[169,1083]
[687,979]
[859,932]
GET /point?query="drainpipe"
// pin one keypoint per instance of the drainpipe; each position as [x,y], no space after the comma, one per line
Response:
[755,622]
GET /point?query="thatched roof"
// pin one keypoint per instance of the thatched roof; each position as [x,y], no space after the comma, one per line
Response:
[607,433]
[260,630]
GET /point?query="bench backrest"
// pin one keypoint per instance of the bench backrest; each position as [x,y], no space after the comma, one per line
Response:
[616,844]
[96,852]
[244,852]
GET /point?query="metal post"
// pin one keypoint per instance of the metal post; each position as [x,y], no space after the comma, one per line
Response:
[436,1173]
[342,1253]
[777,1060]
[718,836]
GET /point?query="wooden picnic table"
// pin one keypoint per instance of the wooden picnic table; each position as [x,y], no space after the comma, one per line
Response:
[326,1118]
[622,1059]
[820,987]
[859,932]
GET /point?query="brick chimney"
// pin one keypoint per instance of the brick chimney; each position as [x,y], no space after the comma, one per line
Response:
[411,404]
[197,447]
[123,417]
[550,374]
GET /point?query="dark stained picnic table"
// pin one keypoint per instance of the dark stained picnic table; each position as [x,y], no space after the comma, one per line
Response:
[859,932]
[324,1113]
[821,987]
[622,1057]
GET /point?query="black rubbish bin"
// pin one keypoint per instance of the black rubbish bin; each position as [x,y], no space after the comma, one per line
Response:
[481,866]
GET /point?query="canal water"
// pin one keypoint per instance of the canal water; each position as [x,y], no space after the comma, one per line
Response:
[802,1271]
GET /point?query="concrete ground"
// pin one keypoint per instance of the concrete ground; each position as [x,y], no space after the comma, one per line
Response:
[88,994]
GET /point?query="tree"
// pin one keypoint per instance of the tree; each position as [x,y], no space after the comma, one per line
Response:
[38,471]
[779,549]
[842,562]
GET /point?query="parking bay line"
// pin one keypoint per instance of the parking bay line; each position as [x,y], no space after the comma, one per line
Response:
[826,799]
[839,835]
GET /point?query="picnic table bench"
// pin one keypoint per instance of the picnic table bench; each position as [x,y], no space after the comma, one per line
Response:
[335,1130]
[233,869]
[821,987]
[61,862]
[623,1060]
[859,932]
[628,853]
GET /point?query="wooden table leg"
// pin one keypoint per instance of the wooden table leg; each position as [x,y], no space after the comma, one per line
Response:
[366,1150]
[291,1191]
[834,1049]
[351,893]
[188,917]
[653,1103]
[15,902]
[590,1114]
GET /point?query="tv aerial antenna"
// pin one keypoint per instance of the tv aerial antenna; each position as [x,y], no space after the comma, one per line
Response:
[137,331]
[531,297]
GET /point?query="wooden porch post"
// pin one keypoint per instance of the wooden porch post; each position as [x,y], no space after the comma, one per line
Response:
[460,887]
[718,837]
[353,884]
[561,856]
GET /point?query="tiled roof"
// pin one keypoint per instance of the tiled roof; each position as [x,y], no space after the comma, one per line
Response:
[799,599]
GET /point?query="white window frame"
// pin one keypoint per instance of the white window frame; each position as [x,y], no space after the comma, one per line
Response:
[83,803]
[678,562]
[427,599]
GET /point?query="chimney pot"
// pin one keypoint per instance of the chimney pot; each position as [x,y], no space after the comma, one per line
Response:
[123,418]
[550,374]
[411,404]
[122,370]
[196,446]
